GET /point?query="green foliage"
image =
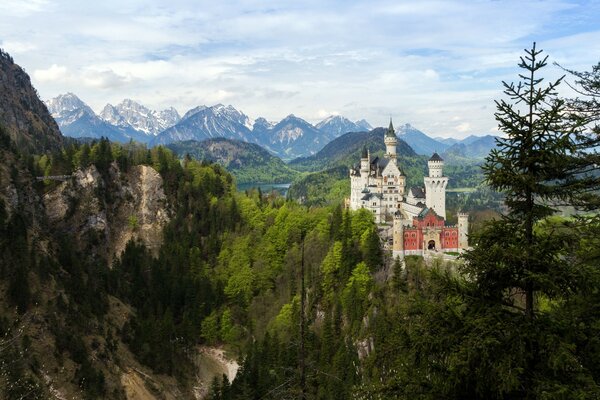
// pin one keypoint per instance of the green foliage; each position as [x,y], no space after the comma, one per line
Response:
[210,328]
[516,322]
[354,295]
[248,162]
[331,270]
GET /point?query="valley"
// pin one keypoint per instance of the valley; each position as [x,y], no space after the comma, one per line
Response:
[146,254]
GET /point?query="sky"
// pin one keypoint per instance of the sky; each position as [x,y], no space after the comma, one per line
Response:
[438,65]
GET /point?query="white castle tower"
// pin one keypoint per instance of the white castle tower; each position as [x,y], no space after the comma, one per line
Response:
[463,231]
[435,186]
[391,141]
[398,237]
[365,160]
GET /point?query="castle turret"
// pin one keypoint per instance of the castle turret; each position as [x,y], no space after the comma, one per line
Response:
[391,141]
[365,160]
[435,186]
[398,237]
[463,231]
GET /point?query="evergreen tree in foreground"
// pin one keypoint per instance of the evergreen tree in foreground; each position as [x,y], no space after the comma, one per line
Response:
[521,319]
[533,166]
[525,268]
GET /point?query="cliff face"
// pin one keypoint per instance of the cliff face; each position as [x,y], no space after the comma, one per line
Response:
[22,114]
[104,213]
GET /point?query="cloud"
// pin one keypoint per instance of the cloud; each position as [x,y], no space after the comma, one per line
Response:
[20,8]
[464,127]
[421,62]
[53,73]
[104,79]
[324,113]
[18,47]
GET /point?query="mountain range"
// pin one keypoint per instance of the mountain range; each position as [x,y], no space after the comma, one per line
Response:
[289,138]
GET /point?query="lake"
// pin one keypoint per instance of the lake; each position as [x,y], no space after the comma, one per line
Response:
[282,188]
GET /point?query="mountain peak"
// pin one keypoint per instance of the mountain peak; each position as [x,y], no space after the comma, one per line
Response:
[193,111]
[337,125]
[130,114]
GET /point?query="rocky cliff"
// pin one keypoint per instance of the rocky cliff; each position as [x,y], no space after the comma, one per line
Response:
[110,210]
[22,114]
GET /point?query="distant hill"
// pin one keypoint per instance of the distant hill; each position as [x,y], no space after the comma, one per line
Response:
[332,182]
[248,162]
[346,150]
[23,116]
[324,187]
[473,147]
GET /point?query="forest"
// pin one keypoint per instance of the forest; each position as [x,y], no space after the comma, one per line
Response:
[305,297]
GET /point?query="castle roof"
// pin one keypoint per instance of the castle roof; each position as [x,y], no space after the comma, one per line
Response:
[436,157]
[369,196]
[365,153]
[417,192]
[390,131]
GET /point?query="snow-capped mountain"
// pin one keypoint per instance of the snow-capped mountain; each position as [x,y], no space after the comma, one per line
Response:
[336,125]
[420,142]
[129,114]
[77,119]
[209,122]
[364,125]
[294,137]
[67,108]
[193,111]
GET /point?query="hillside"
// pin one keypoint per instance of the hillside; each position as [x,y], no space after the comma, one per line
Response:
[248,162]
[346,150]
[23,115]
[330,186]
[471,149]
[330,182]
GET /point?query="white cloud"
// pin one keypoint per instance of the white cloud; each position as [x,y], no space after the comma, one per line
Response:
[324,113]
[17,47]
[104,79]
[464,127]
[53,73]
[425,62]
[21,8]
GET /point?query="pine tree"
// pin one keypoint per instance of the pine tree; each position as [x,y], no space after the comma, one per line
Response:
[586,160]
[529,166]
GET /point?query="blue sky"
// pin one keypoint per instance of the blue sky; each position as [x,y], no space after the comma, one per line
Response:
[437,65]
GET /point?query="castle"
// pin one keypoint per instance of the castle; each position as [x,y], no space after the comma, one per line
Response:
[418,215]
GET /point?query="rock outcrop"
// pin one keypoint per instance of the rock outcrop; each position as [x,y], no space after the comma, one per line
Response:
[22,114]
[111,210]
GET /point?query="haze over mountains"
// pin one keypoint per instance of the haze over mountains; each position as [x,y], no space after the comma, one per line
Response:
[289,138]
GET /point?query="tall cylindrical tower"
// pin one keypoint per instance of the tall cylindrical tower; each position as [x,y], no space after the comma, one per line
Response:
[365,161]
[435,186]
[398,237]
[463,231]
[391,141]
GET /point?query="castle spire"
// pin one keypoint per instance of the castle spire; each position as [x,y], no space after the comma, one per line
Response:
[391,132]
